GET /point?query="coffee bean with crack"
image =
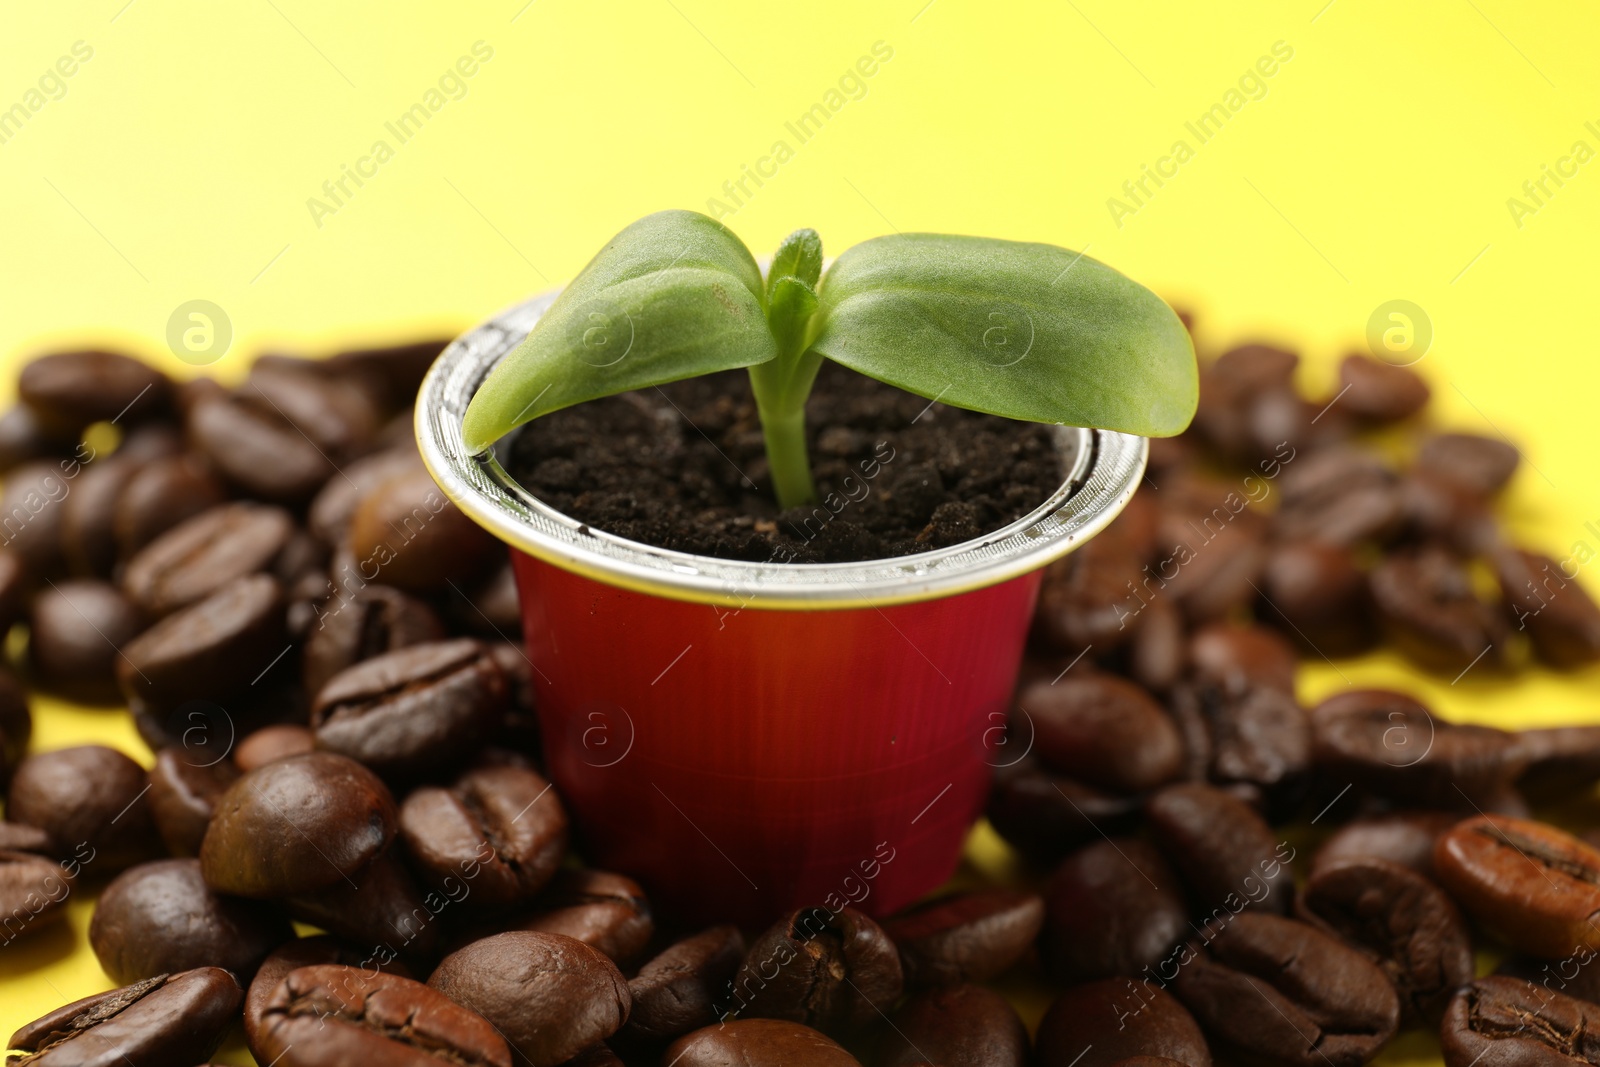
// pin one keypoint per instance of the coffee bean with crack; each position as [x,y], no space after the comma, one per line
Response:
[834,971]
[165,1020]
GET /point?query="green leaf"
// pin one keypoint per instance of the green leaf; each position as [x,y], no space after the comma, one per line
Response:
[1028,331]
[791,304]
[673,296]
[800,256]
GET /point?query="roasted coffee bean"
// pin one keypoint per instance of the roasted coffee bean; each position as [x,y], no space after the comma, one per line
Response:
[1238,658]
[1534,886]
[1318,593]
[967,937]
[209,650]
[1213,547]
[1085,601]
[306,952]
[1482,465]
[1378,392]
[1103,730]
[332,1016]
[91,801]
[1574,976]
[1102,1023]
[24,436]
[1113,907]
[1341,496]
[209,727]
[1442,512]
[1280,991]
[1228,856]
[1432,613]
[1390,745]
[88,517]
[272,743]
[16,724]
[606,911]
[962,1026]
[196,558]
[14,583]
[1231,386]
[76,633]
[256,447]
[160,918]
[1257,737]
[1403,837]
[1507,1022]
[161,495]
[74,389]
[390,373]
[416,538]
[295,826]
[753,1041]
[185,785]
[336,415]
[550,996]
[20,837]
[680,989]
[1046,815]
[411,709]
[33,892]
[381,905]
[835,971]
[170,1019]
[335,505]
[1404,922]
[374,620]
[502,828]
[1561,760]
[32,505]
[1158,647]
[1559,617]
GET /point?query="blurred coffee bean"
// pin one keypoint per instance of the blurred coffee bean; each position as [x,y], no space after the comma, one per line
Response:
[249,439]
[1257,737]
[161,495]
[1046,816]
[1211,549]
[16,724]
[1158,646]
[380,905]
[88,515]
[1507,1022]
[1113,907]
[24,436]
[336,415]
[1405,838]
[374,620]
[1238,658]
[1573,976]
[1318,593]
[679,990]
[962,1026]
[1378,392]
[1233,385]
[185,784]
[753,1041]
[170,1019]
[1086,599]
[1269,989]
[500,828]
[1561,761]
[335,504]
[14,583]
[390,373]
[332,1016]
[306,952]
[193,560]
[415,538]
[91,801]
[1103,730]
[1403,922]
[19,837]
[1227,854]
[491,609]
[73,389]
[604,910]
[76,635]
[32,506]
[1390,745]
[1440,512]
[1532,885]
[412,709]
[272,743]
[1482,465]
[297,825]
[208,650]
[966,937]
[1339,496]
[33,888]
[835,971]
[1560,618]
[1120,1020]
[551,997]
[159,918]
[1432,613]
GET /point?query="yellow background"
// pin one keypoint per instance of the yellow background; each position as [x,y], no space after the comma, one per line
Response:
[179,162]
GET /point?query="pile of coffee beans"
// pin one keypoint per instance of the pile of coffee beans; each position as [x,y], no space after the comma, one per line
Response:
[323,654]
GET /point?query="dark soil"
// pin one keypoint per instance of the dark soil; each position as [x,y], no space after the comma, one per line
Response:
[683,467]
